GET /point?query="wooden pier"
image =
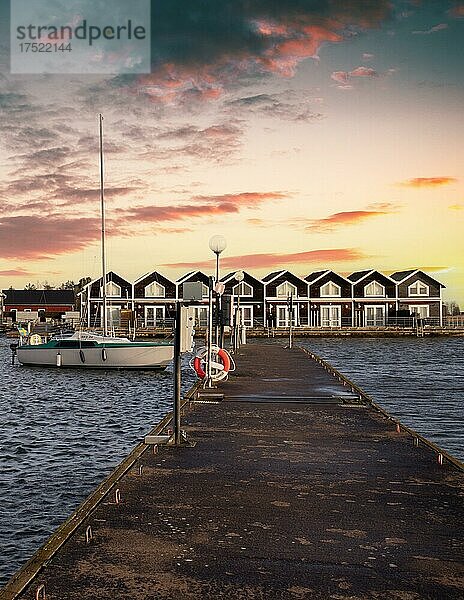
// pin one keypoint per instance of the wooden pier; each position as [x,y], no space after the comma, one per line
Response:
[297,487]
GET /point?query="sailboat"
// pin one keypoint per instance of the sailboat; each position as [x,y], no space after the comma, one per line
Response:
[90,350]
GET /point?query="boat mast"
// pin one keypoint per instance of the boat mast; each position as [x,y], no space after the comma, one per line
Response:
[102,199]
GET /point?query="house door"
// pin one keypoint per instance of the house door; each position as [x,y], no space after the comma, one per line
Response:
[113,316]
[421,311]
[375,316]
[331,316]
[283,316]
[246,316]
[154,315]
[201,316]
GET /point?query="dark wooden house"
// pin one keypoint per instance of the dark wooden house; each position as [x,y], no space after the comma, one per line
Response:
[420,295]
[279,288]
[201,310]
[374,297]
[41,304]
[331,300]
[248,298]
[119,295]
[154,300]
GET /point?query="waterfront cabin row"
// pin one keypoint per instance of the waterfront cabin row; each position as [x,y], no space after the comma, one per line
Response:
[321,299]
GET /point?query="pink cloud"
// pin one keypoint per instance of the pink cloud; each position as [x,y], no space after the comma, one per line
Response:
[15,273]
[272,41]
[343,78]
[36,237]
[363,72]
[203,206]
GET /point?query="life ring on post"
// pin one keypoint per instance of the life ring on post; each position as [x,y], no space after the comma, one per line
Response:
[220,363]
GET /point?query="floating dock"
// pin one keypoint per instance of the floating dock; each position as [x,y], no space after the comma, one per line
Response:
[297,487]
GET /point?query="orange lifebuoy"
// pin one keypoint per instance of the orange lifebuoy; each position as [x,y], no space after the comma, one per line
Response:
[198,368]
[224,356]
[221,353]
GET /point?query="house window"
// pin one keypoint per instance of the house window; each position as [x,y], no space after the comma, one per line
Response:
[418,289]
[331,289]
[155,290]
[242,289]
[205,290]
[374,289]
[284,290]
[113,290]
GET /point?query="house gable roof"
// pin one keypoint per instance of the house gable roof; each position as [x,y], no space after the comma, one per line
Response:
[313,277]
[360,275]
[271,276]
[189,275]
[109,277]
[276,274]
[401,276]
[231,276]
[153,274]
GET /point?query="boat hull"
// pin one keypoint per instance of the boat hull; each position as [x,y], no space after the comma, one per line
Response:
[135,357]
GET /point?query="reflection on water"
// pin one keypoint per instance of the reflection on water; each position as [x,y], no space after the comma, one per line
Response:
[418,380]
[62,432]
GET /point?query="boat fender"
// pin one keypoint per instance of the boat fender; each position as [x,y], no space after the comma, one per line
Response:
[59,359]
[104,355]
[82,356]
[221,353]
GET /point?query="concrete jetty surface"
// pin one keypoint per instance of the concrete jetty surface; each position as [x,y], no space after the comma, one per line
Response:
[293,490]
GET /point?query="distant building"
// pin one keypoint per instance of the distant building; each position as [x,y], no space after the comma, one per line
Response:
[36,304]
[119,295]
[323,299]
[154,300]
[248,297]
[419,294]
[331,300]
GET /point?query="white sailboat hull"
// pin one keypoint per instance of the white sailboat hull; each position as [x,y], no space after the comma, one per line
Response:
[125,357]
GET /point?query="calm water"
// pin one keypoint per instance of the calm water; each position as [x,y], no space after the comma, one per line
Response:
[418,380]
[61,432]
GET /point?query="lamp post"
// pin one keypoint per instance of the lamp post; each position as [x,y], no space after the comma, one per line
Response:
[239,277]
[217,244]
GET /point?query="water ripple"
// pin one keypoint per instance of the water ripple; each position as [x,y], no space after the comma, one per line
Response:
[62,431]
[420,381]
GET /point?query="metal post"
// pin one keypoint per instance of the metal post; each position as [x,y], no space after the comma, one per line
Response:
[177,374]
[210,333]
[290,329]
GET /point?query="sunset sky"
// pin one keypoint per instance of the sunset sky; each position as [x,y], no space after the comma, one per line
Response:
[311,134]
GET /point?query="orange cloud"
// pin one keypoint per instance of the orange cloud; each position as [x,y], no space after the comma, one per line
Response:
[258,261]
[418,182]
[345,218]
